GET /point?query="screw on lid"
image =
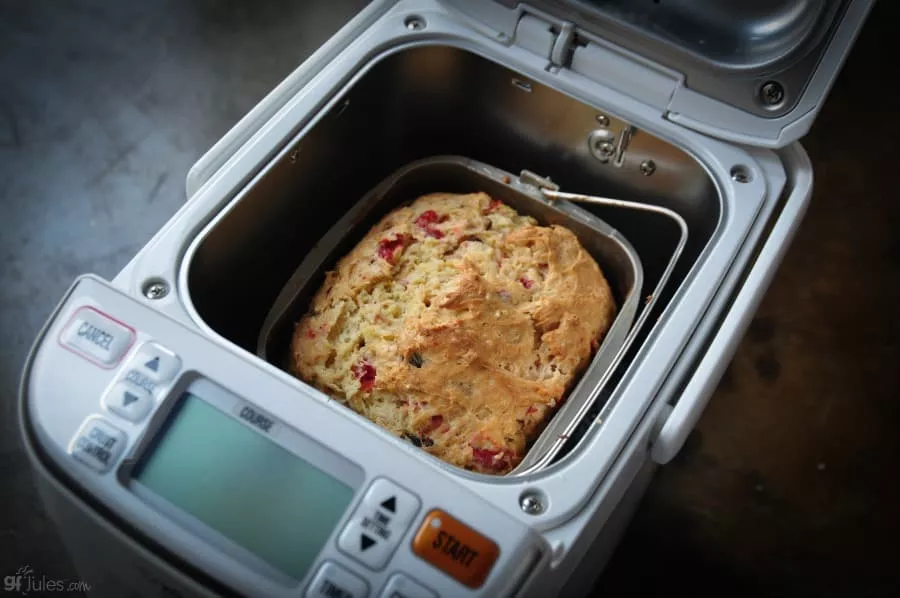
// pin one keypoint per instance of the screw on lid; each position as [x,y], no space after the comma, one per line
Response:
[155,289]
[772,94]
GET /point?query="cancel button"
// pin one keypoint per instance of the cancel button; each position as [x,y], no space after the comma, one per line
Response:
[97,337]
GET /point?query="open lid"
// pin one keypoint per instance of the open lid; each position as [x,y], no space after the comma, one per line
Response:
[749,71]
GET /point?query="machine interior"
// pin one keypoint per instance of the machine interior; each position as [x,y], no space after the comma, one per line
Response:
[425,101]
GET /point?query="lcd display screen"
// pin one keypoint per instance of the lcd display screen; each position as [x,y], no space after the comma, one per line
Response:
[244,486]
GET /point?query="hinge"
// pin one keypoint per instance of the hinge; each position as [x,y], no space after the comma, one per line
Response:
[566,47]
[555,41]
[561,53]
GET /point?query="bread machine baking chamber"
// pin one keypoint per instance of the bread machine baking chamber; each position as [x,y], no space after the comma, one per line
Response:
[176,461]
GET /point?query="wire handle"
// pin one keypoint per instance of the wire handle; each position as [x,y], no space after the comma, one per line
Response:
[551,191]
[554,194]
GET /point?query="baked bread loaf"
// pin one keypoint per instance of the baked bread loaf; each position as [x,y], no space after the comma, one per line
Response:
[458,324]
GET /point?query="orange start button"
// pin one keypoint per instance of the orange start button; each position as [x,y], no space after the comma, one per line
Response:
[455,548]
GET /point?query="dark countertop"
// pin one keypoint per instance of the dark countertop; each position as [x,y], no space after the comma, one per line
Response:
[790,484]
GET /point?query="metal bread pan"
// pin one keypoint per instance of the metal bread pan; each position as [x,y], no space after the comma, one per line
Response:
[616,257]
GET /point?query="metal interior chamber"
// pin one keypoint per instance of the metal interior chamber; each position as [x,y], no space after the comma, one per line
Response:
[436,100]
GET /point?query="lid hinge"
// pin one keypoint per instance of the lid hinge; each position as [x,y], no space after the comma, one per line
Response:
[564,46]
[561,53]
[554,41]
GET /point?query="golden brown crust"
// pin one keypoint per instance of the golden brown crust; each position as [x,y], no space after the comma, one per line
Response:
[458,324]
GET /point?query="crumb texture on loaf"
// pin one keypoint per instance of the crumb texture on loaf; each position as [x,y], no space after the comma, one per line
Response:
[458,324]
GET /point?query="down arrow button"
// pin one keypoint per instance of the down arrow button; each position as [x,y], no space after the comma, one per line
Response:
[129,402]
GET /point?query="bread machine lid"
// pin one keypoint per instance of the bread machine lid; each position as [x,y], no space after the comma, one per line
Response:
[750,71]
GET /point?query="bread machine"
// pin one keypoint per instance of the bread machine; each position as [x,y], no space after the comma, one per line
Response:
[176,461]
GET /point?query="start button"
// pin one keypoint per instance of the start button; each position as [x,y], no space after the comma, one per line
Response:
[455,548]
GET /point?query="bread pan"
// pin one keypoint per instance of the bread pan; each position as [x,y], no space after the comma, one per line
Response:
[453,174]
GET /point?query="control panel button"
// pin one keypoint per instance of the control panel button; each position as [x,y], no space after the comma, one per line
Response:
[399,504]
[137,379]
[379,523]
[156,363]
[365,544]
[98,444]
[97,337]
[129,402]
[402,586]
[455,548]
[333,581]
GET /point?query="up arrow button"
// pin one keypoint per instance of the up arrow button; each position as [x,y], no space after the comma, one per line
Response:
[156,363]
[390,504]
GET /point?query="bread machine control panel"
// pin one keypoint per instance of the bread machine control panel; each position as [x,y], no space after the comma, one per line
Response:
[247,475]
